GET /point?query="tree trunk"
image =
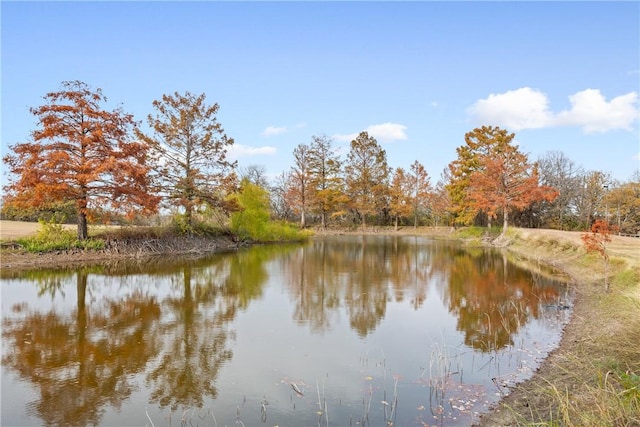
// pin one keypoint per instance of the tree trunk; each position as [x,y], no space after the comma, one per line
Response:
[82,219]
[505,221]
[188,215]
[396,223]
[303,221]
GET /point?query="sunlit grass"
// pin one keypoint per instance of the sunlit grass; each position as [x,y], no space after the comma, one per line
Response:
[477,233]
[54,237]
[596,382]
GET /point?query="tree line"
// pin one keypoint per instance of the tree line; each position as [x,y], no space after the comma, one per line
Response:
[98,165]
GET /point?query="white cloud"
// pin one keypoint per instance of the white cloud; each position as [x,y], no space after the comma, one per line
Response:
[388,131]
[279,130]
[527,108]
[238,150]
[344,137]
[274,130]
[384,132]
[523,108]
[591,111]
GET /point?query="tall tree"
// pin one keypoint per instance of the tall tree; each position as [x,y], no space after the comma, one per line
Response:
[504,182]
[486,141]
[82,153]
[192,150]
[440,203]
[623,203]
[590,201]
[561,173]
[280,207]
[299,191]
[325,178]
[367,175]
[420,189]
[400,195]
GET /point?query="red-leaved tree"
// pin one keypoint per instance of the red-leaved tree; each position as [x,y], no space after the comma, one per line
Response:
[81,153]
[597,240]
[506,181]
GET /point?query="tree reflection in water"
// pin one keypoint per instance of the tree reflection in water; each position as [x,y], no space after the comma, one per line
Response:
[197,333]
[167,328]
[490,298]
[81,361]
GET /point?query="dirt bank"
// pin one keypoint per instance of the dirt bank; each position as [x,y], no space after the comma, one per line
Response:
[13,258]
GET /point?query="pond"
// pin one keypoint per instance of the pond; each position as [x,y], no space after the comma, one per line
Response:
[339,331]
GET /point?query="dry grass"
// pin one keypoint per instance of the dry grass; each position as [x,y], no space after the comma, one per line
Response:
[11,230]
[592,379]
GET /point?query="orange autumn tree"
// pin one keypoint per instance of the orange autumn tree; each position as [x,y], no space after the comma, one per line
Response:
[505,181]
[82,153]
[483,142]
[597,240]
[400,195]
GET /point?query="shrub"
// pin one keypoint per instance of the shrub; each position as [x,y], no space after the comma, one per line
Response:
[52,236]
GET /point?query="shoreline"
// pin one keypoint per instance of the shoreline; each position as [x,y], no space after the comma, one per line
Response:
[567,382]
[556,389]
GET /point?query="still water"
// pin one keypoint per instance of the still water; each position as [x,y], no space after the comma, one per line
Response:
[340,331]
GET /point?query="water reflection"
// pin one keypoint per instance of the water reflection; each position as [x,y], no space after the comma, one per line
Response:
[491,298]
[81,360]
[360,274]
[164,332]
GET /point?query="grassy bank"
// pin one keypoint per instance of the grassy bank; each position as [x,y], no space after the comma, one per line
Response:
[593,378]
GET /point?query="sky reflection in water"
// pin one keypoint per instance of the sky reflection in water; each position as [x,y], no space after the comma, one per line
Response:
[341,331]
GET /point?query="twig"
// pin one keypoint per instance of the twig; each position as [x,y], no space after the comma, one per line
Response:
[150,420]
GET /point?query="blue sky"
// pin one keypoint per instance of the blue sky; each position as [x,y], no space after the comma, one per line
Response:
[417,75]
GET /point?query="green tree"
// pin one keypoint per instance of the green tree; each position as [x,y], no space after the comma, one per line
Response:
[252,220]
[367,176]
[191,148]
